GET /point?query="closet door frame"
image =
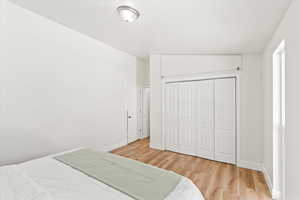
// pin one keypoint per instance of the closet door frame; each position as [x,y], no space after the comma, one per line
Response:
[200,77]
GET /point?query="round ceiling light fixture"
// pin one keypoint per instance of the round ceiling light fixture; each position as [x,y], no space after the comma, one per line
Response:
[128,13]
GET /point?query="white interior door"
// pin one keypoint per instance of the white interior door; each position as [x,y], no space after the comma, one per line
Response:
[185,116]
[200,118]
[131,112]
[146,113]
[140,112]
[171,117]
[225,120]
[204,118]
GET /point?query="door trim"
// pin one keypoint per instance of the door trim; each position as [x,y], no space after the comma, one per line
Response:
[200,77]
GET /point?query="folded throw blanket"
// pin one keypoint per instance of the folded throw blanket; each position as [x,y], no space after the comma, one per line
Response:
[136,179]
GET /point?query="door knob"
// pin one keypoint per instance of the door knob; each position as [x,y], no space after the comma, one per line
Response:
[129,117]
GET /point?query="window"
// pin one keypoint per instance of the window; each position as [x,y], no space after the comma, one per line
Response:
[278,121]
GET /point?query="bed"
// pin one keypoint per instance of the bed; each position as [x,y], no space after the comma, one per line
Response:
[54,178]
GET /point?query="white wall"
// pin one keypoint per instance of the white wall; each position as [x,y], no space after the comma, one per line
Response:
[251,113]
[251,128]
[1,12]
[288,30]
[155,102]
[59,89]
[142,72]
[187,65]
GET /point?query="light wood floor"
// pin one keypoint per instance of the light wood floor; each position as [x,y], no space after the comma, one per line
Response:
[216,181]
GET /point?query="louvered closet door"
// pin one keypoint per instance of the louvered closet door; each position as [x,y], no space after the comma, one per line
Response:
[204,118]
[186,124]
[171,116]
[225,120]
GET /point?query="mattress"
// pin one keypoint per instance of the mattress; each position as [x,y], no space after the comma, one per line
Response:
[49,179]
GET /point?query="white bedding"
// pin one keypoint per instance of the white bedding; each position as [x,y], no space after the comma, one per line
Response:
[49,179]
[14,185]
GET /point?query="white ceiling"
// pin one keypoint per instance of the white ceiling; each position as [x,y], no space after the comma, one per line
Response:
[170,26]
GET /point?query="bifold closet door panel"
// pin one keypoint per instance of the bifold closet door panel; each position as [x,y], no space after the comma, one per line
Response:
[171,116]
[186,125]
[225,120]
[204,118]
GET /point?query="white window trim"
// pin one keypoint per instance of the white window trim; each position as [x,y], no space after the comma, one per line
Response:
[278,188]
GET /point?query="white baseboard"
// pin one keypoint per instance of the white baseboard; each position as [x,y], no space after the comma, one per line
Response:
[108,148]
[156,146]
[143,137]
[268,179]
[249,165]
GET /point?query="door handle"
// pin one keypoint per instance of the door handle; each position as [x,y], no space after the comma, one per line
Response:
[129,117]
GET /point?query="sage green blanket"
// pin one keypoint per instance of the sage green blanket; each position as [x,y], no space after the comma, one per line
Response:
[136,179]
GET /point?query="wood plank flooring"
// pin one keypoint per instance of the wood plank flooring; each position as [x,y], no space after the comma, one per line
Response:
[216,180]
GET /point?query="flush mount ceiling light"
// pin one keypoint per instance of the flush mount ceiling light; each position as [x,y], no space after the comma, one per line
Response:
[128,13]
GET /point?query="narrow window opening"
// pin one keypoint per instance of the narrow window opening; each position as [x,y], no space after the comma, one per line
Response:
[278,121]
